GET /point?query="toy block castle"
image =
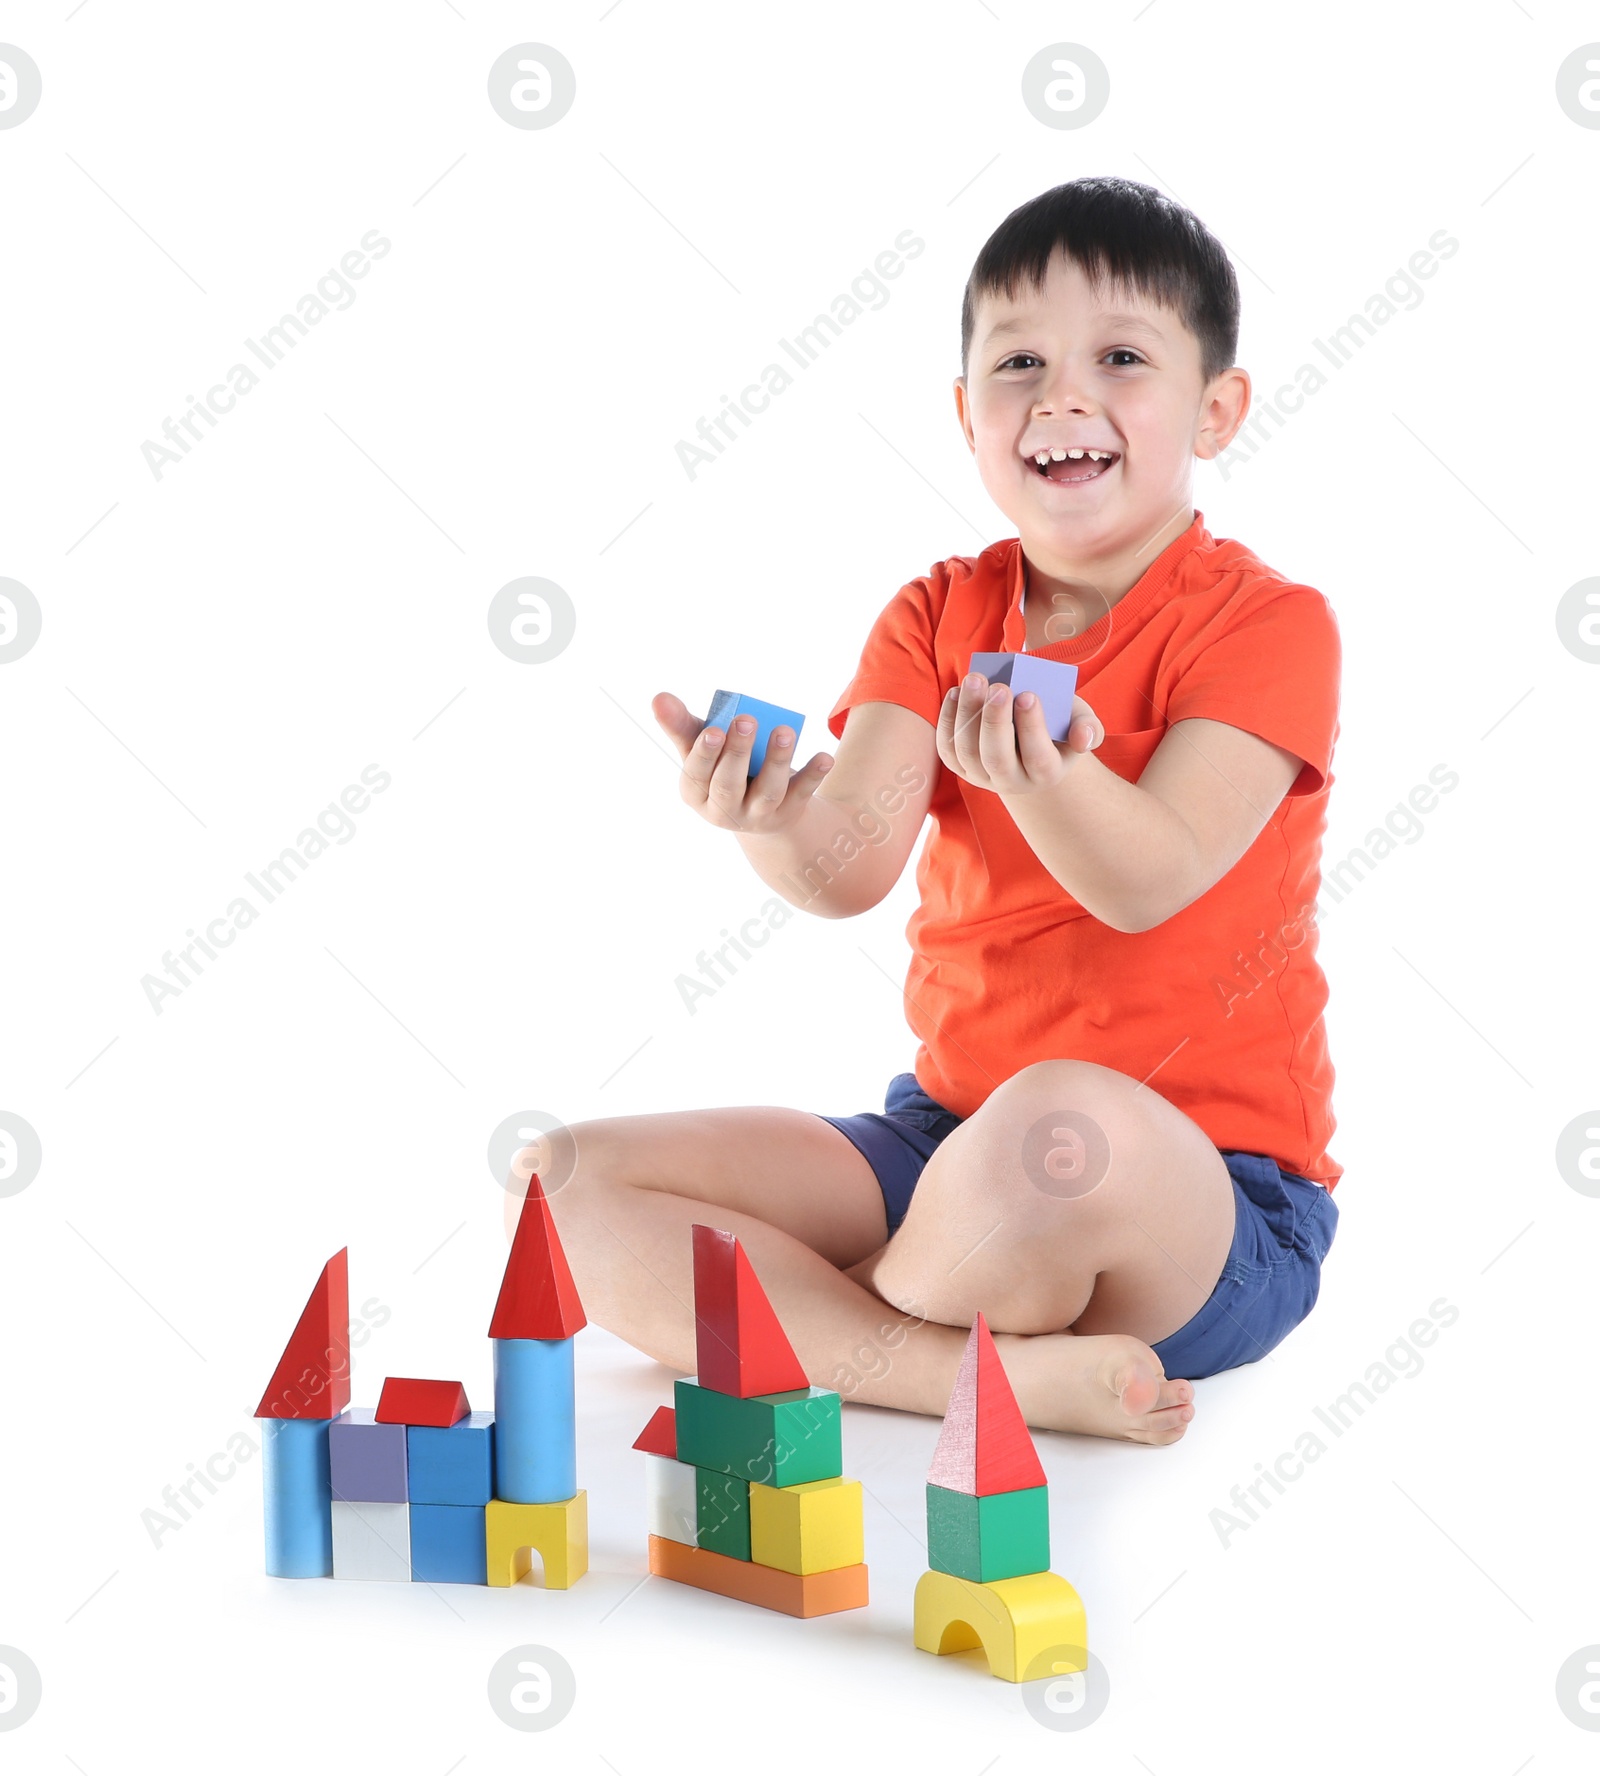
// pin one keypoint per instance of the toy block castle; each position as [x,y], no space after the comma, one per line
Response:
[422,1487]
[744,1485]
[989,1536]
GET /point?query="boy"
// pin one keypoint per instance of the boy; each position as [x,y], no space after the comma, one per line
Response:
[1114,1140]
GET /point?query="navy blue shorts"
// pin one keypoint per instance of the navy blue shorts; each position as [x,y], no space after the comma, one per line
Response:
[1283,1226]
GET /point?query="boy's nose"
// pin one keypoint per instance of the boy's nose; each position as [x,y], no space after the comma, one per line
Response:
[1063,394]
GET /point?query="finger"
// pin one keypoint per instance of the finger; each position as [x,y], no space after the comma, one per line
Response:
[694,780]
[1087,730]
[730,776]
[944,735]
[805,783]
[679,722]
[969,722]
[1035,748]
[997,738]
[772,779]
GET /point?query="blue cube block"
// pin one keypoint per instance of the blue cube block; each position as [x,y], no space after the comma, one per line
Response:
[451,1465]
[725,705]
[448,1545]
[1053,682]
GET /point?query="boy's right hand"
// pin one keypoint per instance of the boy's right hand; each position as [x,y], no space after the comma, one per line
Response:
[716,782]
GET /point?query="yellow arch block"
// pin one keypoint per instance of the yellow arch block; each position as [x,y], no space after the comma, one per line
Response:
[1015,1621]
[560,1533]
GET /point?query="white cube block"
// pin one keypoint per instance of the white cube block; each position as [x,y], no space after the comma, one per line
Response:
[371,1541]
[670,1504]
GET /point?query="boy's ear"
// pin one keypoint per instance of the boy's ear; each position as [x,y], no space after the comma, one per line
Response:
[964,414]
[1223,410]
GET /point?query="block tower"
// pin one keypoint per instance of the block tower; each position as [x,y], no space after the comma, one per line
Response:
[745,1493]
[422,1487]
[537,1503]
[989,1536]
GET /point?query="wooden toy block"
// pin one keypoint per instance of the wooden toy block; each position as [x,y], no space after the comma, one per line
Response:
[558,1532]
[538,1298]
[1015,1621]
[739,1345]
[447,1544]
[451,1465]
[671,1495]
[812,1527]
[778,1439]
[795,1594]
[296,1496]
[1053,682]
[984,1446]
[366,1460]
[312,1379]
[725,705]
[722,1513]
[535,1420]
[1002,1535]
[405,1401]
[371,1541]
[660,1436]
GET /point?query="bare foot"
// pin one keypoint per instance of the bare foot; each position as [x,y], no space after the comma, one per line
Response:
[1103,1385]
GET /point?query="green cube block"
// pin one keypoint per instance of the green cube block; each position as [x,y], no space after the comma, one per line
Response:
[778,1439]
[722,1513]
[1003,1536]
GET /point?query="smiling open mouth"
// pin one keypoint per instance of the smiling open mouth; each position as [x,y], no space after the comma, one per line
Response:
[1074,465]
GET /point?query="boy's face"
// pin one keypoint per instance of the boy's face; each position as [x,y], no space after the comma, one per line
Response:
[1065,368]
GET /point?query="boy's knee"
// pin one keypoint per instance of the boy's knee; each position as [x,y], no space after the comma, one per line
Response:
[1084,1086]
[1061,1124]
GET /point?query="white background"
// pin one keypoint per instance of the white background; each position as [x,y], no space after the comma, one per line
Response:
[224,649]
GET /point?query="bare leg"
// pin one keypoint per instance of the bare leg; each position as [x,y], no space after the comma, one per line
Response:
[802,1200]
[1130,1239]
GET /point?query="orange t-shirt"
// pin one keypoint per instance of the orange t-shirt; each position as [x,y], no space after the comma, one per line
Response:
[1220,1007]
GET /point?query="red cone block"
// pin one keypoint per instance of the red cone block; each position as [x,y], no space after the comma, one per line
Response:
[740,1348]
[984,1446]
[538,1298]
[312,1379]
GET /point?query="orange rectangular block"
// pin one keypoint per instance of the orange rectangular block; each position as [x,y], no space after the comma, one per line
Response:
[795,1594]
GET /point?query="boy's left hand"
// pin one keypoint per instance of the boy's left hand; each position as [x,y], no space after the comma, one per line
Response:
[992,743]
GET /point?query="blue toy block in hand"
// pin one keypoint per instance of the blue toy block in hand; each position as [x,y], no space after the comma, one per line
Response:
[725,705]
[1053,682]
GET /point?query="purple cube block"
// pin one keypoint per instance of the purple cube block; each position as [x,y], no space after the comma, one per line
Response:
[367,1460]
[1053,682]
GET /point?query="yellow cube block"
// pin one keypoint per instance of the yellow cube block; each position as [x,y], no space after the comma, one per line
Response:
[1015,1621]
[812,1527]
[559,1532]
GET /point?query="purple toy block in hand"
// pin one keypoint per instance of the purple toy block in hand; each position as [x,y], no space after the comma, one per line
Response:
[1053,682]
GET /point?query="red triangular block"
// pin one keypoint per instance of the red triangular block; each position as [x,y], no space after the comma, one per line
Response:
[739,1346]
[405,1401]
[312,1379]
[660,1436]
[984,1446]
[538,1298]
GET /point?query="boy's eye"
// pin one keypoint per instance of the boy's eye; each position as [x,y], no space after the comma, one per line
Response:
[1121,356]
